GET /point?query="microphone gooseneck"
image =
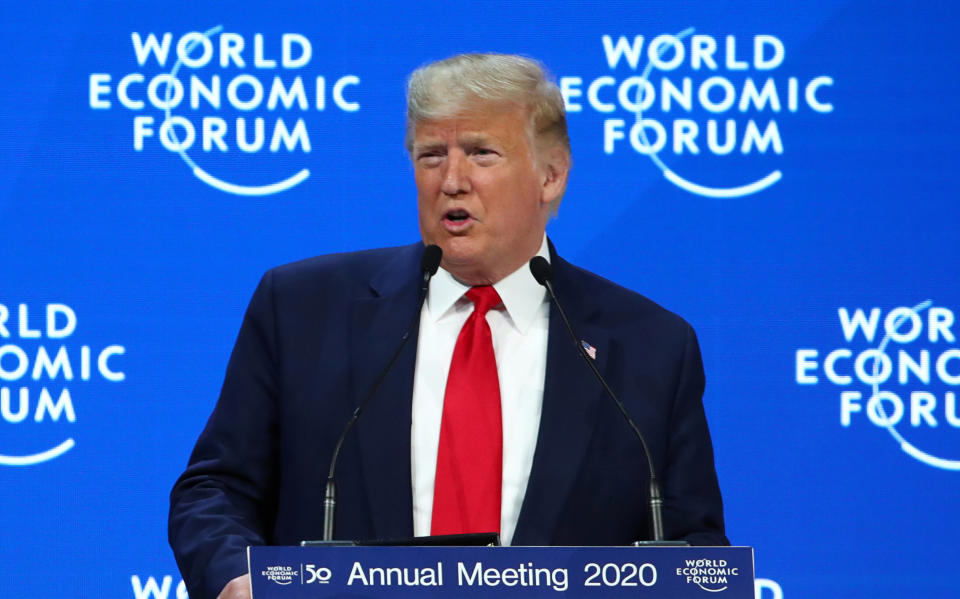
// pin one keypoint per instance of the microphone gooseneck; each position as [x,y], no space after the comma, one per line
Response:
[429,264]
[543,273]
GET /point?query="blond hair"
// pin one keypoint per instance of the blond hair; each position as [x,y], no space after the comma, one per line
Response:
[451,86]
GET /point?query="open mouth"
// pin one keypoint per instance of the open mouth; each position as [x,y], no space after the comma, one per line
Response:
[456,216]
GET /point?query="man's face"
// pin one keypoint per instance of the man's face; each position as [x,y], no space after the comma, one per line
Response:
[482,196]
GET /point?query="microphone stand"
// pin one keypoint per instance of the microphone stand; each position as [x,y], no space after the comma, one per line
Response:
[429,264]
[543,273]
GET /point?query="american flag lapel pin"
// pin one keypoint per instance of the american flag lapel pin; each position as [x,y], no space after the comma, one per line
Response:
[591,350]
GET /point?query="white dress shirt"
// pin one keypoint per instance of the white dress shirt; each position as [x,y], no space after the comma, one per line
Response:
[519,328]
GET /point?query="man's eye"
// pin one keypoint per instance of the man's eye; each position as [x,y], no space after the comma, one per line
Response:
[430,158]
[485,154]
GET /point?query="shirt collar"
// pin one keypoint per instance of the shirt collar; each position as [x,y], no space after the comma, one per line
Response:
[521,294]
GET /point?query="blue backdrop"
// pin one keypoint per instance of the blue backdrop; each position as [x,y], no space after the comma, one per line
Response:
[779,174]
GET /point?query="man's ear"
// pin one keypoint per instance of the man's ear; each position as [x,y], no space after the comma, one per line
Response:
[555,168]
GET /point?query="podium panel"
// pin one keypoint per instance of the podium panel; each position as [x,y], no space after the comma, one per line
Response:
[424,572]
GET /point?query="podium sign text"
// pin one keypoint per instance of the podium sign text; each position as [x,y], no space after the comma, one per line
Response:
[651,572]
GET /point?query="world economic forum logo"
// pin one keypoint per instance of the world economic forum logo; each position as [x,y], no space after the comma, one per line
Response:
[282,575]
[39,365]
[228,104]
[712,575]
[898,371]
[706,104]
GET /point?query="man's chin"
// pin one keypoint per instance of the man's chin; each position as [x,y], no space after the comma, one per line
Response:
[460,250]
[466,267]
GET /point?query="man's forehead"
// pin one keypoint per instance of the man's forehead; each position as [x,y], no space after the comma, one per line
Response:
[469,126]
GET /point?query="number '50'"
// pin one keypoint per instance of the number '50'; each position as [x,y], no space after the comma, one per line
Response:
[321,575]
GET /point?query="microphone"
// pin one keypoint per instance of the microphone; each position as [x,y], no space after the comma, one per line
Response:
[429,264]
[543,273]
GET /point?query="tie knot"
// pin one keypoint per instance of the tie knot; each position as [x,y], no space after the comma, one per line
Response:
[483,297]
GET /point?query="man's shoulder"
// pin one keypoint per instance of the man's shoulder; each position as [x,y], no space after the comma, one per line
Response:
[343,268]
[618,304]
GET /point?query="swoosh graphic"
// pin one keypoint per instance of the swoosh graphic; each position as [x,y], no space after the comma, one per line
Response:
[722,192]
[249,190]
[43,456]
[703,190]
[711,590]
[908,448]
[243,190]
[928,459]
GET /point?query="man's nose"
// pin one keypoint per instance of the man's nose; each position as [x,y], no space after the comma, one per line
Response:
[456,179]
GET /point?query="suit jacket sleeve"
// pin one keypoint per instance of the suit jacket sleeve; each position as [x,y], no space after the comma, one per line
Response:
[223,501]
[693,508]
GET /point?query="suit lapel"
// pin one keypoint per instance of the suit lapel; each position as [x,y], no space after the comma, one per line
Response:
[570,397]
[383,431]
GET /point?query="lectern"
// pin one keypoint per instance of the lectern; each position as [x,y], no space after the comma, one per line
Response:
[514,572]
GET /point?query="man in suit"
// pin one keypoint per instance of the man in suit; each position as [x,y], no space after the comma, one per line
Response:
[487,137]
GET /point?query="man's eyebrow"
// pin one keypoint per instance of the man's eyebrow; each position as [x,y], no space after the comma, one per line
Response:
[471,139]
[428,145]
[477,138]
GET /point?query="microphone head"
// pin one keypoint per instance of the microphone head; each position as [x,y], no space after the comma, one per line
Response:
[431,259]
[541,270]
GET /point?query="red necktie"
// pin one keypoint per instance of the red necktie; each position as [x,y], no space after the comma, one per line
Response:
[466,494]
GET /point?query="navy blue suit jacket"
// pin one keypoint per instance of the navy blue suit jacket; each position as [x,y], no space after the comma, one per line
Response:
[316,334]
